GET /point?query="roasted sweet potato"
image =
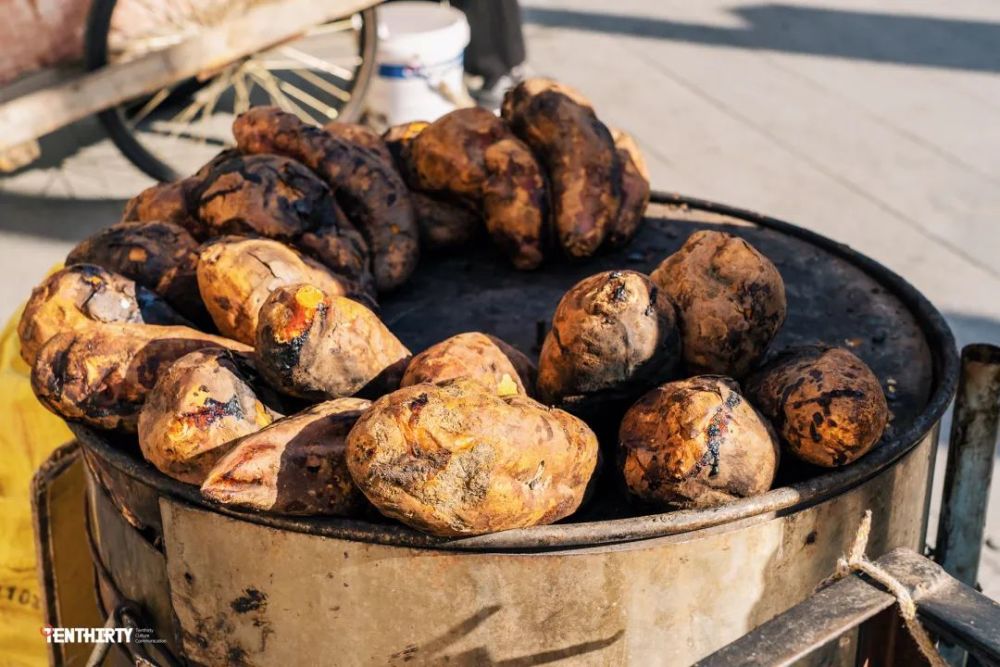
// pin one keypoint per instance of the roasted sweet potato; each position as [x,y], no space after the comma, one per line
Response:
[578,153]
[369,189]
[444,224]
[198,407]
[613,336]
[101,375]
[319,346]
[455,459]
[166,202]
[487,359]
[80,296]
[296,465]
[398,140]
[826,404]
[278,198]
[635,191]
[360,135]
[730,298]
[161,256]
[696,443]
[515,202]
[236,275]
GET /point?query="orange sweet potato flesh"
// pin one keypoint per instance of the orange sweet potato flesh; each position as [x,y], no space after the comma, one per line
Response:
[319,346]
[369,189]
[614,336]
[826,403]
[455,459]
[579,155]
[730,298]
[236,275]
[198,407]
[481,357]
[102,374]
[278,198]
[161,256]
[82,296]
[696,443]
[295,466]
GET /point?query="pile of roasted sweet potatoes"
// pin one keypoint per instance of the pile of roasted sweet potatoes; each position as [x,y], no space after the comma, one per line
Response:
[230,322]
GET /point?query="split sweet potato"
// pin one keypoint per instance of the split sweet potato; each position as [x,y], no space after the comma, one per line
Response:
[236,275]
[496,365]
[455,459]
[295,466]
[317,345]
[826,404]
[696,443]
[614,335]
[198,407]
[730,298]
[81,296]
[100,375]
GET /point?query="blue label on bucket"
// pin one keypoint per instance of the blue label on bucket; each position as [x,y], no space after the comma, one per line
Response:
[387,71]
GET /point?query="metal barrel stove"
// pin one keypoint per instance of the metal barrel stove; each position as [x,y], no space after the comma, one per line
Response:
[615,584]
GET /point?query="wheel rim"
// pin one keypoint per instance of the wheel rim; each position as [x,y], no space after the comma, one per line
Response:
[320,76]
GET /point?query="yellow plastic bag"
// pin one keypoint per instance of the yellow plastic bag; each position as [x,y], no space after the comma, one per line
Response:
[28,434]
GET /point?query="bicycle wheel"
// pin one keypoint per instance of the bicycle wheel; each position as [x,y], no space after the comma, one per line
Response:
[320,76]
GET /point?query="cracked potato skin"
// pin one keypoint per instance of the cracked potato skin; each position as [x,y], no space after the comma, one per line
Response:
[696,443]
[730,299]
[515,202]
[635,191]
[493,363]
[101,375]
[198,407]
[296,466]
[614,335]
[81,296]
[277,198]
[457,460]
[161,256]
[320,346]
[368,189]
[579,155]
[236,275]
[826,404]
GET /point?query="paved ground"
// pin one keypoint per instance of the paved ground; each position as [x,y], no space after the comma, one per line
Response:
[871,122]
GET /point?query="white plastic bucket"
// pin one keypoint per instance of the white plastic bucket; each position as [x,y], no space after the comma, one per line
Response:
[418,72]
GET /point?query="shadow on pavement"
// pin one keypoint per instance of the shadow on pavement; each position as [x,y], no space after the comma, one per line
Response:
[57,218]
[888,38]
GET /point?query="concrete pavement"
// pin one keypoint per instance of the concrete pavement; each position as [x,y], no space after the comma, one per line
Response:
[874,123]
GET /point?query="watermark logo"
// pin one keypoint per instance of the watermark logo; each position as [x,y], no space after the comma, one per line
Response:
[54,635]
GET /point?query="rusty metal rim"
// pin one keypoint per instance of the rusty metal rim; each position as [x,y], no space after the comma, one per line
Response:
[560,536]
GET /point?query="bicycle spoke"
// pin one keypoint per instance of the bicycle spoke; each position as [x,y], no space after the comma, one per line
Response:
[268,82]
[322,84]
[303,96]
[316,63]
[155,101]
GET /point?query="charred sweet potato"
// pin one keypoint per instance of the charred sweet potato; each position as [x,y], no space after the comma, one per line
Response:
[236,275]
[635,191]
[278,198]
[318,346]
[198,407]
[515,202]
[81,296]
[826,404]
[444,224]
[368,188]
[730,298]
[455,459]
[579,155]
[296,465]
[696,443]
[360,135]
[613,336]
[487,359]
[398,139]
[161,256]
[166,202]
[101,375]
